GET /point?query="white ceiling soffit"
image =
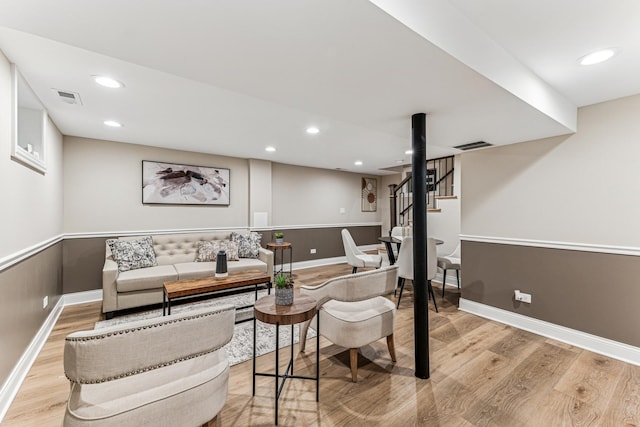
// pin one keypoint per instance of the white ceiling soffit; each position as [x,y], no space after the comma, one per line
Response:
[443,25]
[230,77]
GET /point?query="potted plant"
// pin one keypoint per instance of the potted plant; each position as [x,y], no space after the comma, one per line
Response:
[279,237]
[284,289]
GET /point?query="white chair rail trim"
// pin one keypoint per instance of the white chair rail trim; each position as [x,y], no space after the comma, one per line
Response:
[583,247]
[594,343]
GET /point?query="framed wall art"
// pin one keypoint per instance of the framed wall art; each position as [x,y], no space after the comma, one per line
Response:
[369,195]
[176,184]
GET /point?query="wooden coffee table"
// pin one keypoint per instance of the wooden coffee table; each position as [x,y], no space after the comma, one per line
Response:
[213,286]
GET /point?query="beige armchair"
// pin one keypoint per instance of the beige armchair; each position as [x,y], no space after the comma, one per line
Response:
[165,371]
[353,312]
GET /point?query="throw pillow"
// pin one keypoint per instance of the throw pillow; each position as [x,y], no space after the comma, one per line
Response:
[133,254]
[208,251]
[248,244]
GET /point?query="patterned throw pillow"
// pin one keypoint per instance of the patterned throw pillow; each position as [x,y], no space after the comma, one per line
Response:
[208,251]
[133,254]
[248,244]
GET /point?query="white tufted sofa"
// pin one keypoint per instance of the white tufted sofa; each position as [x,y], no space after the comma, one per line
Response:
[175,255]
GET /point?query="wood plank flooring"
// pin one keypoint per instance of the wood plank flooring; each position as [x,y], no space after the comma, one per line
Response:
[482,373]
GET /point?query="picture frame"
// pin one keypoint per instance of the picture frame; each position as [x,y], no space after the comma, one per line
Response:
[179,184]
[369,194]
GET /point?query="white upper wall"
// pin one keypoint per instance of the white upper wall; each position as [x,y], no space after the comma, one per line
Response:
[577,189]
[32,212]
[305,196]
[103,190]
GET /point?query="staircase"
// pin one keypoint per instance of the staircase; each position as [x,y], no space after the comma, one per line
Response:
[439,186]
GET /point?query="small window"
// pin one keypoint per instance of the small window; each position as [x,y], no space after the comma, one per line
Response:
[29,123]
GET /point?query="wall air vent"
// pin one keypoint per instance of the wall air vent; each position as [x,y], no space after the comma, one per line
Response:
[473,145]
[68,97]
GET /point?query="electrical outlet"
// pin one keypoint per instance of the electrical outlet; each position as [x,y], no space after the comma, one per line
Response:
[45,302]
[522,297]
[343,211]
[312,251]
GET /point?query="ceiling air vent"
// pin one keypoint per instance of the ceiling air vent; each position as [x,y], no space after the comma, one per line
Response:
[473,145]
[68,96]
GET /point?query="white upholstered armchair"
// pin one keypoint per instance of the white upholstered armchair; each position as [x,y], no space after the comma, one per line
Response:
[165,371]
[353,312]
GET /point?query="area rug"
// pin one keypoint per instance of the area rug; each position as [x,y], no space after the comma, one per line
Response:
[240,349]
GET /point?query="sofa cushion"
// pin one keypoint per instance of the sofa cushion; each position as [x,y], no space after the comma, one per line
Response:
[145,278]
[248,244]
[245,264]
[132,254]
[208,251]
[195,270]
[368,320]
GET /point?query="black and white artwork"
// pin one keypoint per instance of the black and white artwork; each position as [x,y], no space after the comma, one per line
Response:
[174,184]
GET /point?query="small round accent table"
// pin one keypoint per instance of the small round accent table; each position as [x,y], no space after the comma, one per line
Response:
[265,310]
[272,246]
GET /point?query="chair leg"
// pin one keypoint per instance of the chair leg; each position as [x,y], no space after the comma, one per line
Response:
[432,294]
[401,280]
[304,328]
[395,291]
[353,357]
[392,347]
[353,271]
[458,277]
[212,422]
[444,281]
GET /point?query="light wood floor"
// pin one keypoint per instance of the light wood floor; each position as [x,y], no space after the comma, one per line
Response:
[482,373]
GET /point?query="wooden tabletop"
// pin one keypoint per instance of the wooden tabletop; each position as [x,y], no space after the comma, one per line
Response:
[302,309]
[274,245]
[180,288]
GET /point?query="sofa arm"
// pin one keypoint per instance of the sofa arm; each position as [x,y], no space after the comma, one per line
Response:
[106,354]
[266,256]
[109,289]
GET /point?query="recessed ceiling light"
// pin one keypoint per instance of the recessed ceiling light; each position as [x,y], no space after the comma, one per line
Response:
[358,163]
[270,149]
[313,130]
[597,56]
[112,123]
[108,82]
[408,152]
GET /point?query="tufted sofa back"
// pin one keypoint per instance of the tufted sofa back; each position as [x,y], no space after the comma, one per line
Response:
[177,248]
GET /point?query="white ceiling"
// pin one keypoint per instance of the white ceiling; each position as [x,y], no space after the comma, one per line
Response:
[233,76]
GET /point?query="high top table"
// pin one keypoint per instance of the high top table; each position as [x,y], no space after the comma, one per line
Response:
[265,310]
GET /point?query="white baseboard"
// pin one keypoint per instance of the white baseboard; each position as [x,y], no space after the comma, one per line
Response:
[596,344]
[12,384]
[82,297]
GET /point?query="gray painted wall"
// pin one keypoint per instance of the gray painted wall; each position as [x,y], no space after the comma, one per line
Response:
[84,257]
[591,292]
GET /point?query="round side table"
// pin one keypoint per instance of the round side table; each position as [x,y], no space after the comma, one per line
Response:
[265,310]
[275,247]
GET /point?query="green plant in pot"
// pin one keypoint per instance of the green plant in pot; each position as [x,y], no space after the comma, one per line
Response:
[279,237]
[284,289]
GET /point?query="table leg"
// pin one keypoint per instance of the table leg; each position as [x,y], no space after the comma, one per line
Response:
[318,357]
[277,377]
[253,389]
[291,262]
[164,303]
[392,257]
[292,349]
